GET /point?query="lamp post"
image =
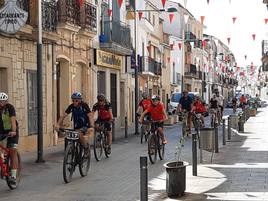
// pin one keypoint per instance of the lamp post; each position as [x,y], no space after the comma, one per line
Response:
[39,87]
[170,10]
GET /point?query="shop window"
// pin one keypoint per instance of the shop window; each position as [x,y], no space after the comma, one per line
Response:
[114,94]
[101,82]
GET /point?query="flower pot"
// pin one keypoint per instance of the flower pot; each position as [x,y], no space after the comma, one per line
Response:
[175,178]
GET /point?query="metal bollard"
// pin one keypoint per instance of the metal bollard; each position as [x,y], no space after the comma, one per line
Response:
[194,153]
[229,129]
[143,179]
[126,127]
[216,139]
[113,131]
[241,125]
[223,132]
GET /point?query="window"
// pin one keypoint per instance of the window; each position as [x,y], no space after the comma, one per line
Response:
[101,82]
[153,20]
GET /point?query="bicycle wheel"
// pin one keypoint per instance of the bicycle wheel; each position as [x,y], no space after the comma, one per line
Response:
[84,162]
[105,145]
[152,148]
[212,122]
[11,184]
[142,133]
[98,146]
[161,148]
[69,163]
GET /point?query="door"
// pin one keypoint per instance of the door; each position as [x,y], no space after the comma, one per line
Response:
[101,82]
[32,101]
[114,93]
[123,111]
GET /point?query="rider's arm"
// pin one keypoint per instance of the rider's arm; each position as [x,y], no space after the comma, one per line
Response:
[143,114]
[111,113]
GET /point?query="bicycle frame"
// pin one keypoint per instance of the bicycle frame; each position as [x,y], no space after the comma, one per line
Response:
[4,166]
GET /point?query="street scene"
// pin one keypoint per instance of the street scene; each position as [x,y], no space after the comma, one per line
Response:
[129,100]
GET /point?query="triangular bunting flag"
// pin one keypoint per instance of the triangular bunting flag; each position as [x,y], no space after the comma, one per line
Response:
[208,1]
[163,3]
[254,36]
[234,19]
[229,39]
[171,46]
[140,15]
[180,45]
[171,16]
[110,12]
[149,48]
[81,2]
[202,19]
[246,57]
[119,3]
[266,21]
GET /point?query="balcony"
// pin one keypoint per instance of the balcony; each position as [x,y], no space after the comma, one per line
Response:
[190,36]
[69,12]
[150,66]
[49,15]
[192,72]
[116,38]
[89,17]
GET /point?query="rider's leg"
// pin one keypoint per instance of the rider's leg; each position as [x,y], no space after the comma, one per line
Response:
[12,145]
[189,120]
[162,136]
[108,127]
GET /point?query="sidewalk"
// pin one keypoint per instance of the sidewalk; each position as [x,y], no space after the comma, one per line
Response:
[238,172]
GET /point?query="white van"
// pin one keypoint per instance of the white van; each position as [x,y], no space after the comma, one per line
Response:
[175,98]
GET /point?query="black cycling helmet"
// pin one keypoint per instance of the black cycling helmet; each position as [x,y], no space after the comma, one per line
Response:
[76,95]
[144,95]
[155,97]
[101,97]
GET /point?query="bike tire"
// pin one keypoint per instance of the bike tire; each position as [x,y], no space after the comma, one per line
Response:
[152,148]
[11,185]
[69,166]
[84,163]
[161,148]
[105,146]
[98,146]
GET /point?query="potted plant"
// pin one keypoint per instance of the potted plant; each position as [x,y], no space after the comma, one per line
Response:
[176,173]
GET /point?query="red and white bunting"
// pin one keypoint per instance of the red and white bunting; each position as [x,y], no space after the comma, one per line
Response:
[266,21]
[119,3]
[149,48]
[246,57]
[208,1]
[171,46]
[234,19]
[140,15]
[202,18]
[81,2]
[110,12]
[228,40]
[171,16]
[180,45]
[163,3]
[253,37]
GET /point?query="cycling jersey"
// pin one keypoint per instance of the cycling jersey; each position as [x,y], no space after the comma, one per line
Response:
[213,103]
[186,103]
[199,107]
[145,104]
[79,115]
[103,111]
[157,112]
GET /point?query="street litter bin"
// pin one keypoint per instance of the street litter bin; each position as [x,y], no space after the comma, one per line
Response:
[234,119]
[175,178]
[207,139]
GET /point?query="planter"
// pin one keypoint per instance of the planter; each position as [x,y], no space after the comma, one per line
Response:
[175,178]
[207,139]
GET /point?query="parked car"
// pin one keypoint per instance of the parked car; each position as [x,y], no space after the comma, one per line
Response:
[174,101]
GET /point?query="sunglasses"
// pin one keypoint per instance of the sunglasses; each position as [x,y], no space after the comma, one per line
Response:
[75,101]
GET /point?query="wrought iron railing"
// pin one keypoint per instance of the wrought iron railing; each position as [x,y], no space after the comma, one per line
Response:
[89,17]
[117,32]
[49,15]
[150,65]
[69,11]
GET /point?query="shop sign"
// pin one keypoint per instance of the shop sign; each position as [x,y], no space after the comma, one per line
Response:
[108,59]
[12,18]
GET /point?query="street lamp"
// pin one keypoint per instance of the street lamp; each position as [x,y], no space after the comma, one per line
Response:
[170,10]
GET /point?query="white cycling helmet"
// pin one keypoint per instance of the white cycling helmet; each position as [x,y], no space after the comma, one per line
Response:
[3,96]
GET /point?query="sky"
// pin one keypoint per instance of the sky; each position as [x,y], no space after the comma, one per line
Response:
[250,20]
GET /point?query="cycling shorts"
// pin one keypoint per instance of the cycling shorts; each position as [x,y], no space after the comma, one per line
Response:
[12,142]
[107,124]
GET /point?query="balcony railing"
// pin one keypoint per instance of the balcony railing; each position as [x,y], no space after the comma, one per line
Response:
[49,15]
[148,64]
[190,36]
[116,32]
[69,11]
[89,17]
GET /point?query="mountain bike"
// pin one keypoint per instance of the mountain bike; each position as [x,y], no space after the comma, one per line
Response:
[5,166]
[214,117]
[197,120]
[75,154]
[100,142]
[145,130]
[155,143]
[184,116]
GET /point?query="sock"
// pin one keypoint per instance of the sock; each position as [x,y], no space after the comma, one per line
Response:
[14,173]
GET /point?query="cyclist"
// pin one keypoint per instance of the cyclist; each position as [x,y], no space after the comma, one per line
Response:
[105,115]
[144,104]
[243,101]
[186,104]
[199,107]
[9,125]
[220,99]
[214,106]
[158,115]
[81,116]
[234,103]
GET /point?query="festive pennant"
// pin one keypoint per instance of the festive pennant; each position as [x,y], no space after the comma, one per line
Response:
[202,19]
[208,1]
[81,2]
[119,3]
[254,36]
[168,59]
[171,46]
[149,48]
[163,3]
[266,21]
[229,40]
[245,57]
[171,16]
[204,43]
[234,19]
[140,15]
[109,12]
[180,45]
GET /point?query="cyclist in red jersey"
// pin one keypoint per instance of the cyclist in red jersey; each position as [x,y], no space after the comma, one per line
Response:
[105,115]
[144,104]
[158,115]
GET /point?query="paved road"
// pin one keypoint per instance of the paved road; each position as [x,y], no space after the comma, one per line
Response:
[113,179]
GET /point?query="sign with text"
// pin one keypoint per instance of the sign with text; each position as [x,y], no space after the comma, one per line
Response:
[108,59]
[12,18]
